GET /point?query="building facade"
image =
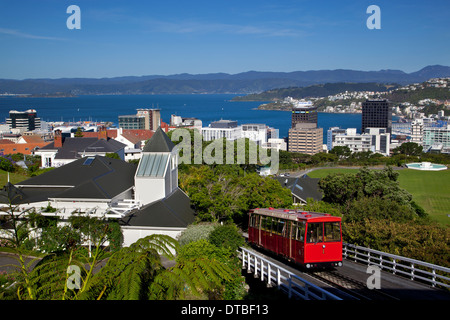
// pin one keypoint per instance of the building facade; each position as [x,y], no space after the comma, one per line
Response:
[331,136]
[304,112]
[376,140]
[304,135]
[376,114]
[255,132]
[417,127]
[305,138]
[144,119]
[437,139]
[222,129]
[23,120]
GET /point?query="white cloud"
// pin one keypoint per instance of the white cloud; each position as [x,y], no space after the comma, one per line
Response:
[20,34]
[206,27]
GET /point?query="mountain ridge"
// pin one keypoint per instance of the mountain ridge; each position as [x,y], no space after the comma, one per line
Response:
[240,83]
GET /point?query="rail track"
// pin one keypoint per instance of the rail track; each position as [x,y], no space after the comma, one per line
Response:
[358,290]
[349,288]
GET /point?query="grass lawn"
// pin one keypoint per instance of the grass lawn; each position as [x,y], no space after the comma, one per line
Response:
[430,189]
[13,178]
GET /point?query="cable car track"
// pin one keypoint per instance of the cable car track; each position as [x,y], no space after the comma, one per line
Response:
[347,288]
[354,288]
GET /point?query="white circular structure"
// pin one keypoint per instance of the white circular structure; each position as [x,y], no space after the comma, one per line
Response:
[426,166]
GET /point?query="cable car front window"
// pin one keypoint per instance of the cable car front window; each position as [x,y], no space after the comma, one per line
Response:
[314,233]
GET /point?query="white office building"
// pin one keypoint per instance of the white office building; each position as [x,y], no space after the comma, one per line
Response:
[373,139]
[255,132]
[437,138]
[222,129]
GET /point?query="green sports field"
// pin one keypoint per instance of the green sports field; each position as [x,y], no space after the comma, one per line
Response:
[430,189]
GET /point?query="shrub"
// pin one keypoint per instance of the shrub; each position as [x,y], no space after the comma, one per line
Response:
[196,232]
[227,236]
[232,288]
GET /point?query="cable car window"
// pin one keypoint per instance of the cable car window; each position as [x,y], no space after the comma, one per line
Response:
[275,222]
[256,222]
[300,231]
[286,229]
[267,224]
[314,233]
[280,226]
[332,231]
[294,230]
[262,221]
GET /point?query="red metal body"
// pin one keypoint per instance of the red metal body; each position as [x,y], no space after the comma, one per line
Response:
[310,239]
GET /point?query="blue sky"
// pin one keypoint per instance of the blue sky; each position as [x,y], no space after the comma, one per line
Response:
[137,37]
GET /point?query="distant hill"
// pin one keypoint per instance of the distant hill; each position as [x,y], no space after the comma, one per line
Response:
[317,90]
[241,83]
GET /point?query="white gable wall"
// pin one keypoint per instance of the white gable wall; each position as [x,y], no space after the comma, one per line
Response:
[149,189]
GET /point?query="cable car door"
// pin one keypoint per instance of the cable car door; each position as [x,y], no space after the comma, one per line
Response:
[315,248]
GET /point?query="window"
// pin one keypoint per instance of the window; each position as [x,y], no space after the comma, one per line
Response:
[332,231]
[88,161]
[266,223]
[286,229]
[298,232]
[279,224]
[254,221]
[314,233]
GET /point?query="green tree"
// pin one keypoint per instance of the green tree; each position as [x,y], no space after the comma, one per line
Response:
[342,152]
[409,149]
[79,133]
[112,155]
[227,192]
[227,236]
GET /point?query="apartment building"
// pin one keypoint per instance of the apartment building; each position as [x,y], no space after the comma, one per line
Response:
[305,138]
[144,119]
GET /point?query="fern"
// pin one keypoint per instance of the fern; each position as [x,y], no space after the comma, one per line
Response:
[195,276]
[129,272]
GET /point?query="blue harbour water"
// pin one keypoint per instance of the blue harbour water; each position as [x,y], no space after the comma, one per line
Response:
[206,107]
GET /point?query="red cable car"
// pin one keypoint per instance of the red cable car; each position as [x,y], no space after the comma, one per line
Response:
[310,239]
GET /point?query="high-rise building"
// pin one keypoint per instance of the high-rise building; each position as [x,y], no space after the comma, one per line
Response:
[376,114]
[304,112]
[147,119]
[305,138]
[304,135]
[23,120]
[417,127]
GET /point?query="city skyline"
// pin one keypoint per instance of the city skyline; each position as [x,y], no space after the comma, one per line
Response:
[142,38]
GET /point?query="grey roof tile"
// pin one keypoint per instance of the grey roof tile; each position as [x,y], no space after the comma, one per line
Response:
[159,142]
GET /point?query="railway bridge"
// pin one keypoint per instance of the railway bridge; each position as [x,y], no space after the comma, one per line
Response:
[366,274]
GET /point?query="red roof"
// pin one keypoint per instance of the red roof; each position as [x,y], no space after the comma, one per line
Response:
[112,133]
[136,135]
[24,148]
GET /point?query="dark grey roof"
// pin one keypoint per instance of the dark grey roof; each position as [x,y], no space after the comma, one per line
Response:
[302,187]
[11,193]
[103,178]
[173,211]
[159,142]
[72,147]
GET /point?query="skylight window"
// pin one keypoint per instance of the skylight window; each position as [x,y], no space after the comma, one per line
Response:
[88,161]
